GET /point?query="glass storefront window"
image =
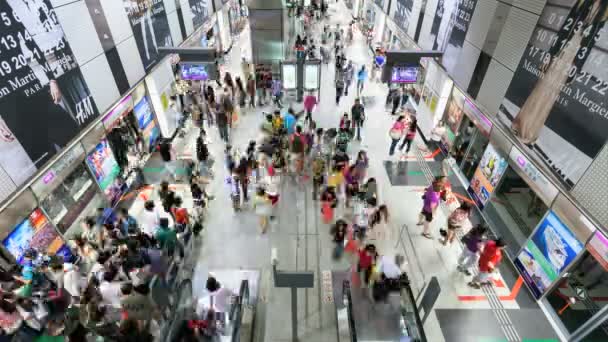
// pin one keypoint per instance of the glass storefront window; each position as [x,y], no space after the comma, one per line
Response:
[473,154]
[581,293]
[65,203]
[515,210]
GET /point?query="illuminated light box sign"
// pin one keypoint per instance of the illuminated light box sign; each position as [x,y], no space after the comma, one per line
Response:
[194,72]
[405,75]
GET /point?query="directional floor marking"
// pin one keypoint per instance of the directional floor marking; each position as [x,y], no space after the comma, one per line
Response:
[512,296]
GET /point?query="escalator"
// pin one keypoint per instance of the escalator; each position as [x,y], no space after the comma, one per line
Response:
[361,319]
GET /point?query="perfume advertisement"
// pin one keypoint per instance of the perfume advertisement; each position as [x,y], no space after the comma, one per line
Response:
[552,248]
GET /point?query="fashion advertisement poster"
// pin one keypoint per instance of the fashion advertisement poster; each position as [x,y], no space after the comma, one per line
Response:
[557,101]
[200,11]
[454,113]
[150,25]
[552,248]
[44,100]
[35,232]
[403,13]
[491,168]
[146,123]
[105,169]
[449,28]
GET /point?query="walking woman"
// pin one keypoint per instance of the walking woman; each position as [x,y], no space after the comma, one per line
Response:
[339,235]
[262,207]
[409,136]
[240,92]
[329,201]
[455,221]
[361,165]
[431,202]
[251,90]
[396,133]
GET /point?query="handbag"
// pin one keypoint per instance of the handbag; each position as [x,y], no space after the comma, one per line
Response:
[395,134]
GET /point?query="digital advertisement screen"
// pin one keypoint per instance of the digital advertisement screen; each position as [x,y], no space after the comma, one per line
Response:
[486,177]
[404,75]
[552,248]
[105,169]
[194,72]
[35,232]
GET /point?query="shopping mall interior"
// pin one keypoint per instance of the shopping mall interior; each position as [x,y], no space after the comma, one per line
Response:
[310,170]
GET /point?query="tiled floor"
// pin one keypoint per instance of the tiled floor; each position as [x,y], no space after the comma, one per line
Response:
[233,241]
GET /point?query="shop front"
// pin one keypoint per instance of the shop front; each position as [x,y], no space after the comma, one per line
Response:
[434,97]
[238,16]
[163,94]
[66,189]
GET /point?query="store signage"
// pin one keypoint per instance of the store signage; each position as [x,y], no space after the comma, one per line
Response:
[543,187]
[598,247]
[481,121]
[122,108]
[550,250]
[486,177]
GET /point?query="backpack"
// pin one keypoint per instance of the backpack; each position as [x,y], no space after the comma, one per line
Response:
[298,145]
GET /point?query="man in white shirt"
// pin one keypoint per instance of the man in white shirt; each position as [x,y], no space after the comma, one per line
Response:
[72,280]
[390,268]
[110,289]
[220,298]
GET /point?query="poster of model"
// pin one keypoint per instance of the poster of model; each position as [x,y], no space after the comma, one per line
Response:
[402,13]
[146,124]
[105,169]
[449,27]
[150,26]
[557,101]
[200,11]
[486,177]
[35,232]
[552,248]
[44,100]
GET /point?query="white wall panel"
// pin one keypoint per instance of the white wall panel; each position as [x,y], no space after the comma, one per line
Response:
[176,32]
[592,189]
[79,31]
[465,66]
[494,87]
[169,6]
[131,61]
[424,40]
[118,21]
[514,37]
[481,22]
[534,6]
[101,83]
[415,15]
[187,13]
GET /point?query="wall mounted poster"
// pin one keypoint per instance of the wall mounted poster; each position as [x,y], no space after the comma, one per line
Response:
[552,248]
[105,169]
[150,25]
[200,11]
[486,177]
[449,29]
[35,232]
[44,100]
[557,101]
[403,13]
[146,123]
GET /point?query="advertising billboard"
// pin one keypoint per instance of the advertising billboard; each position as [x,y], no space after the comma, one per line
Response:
[146,123]
[105,169]
[404,75]
[489,172]
[556,103]
[200,11]
[44,100]
[550,250]
[35,232]
[150,25]
[403,13]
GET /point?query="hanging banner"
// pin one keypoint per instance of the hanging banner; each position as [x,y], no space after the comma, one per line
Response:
[491,168]
[44,100]
[550,250]
[557,102]
[457,28]
[150,25]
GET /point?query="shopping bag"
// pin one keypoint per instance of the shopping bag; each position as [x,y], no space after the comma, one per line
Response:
[235,119]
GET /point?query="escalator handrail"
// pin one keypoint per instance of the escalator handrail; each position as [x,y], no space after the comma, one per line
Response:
[349,310]
[236,311]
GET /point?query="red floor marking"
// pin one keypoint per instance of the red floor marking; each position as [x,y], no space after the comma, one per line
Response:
[432,155]
[514,292]
[498,283]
